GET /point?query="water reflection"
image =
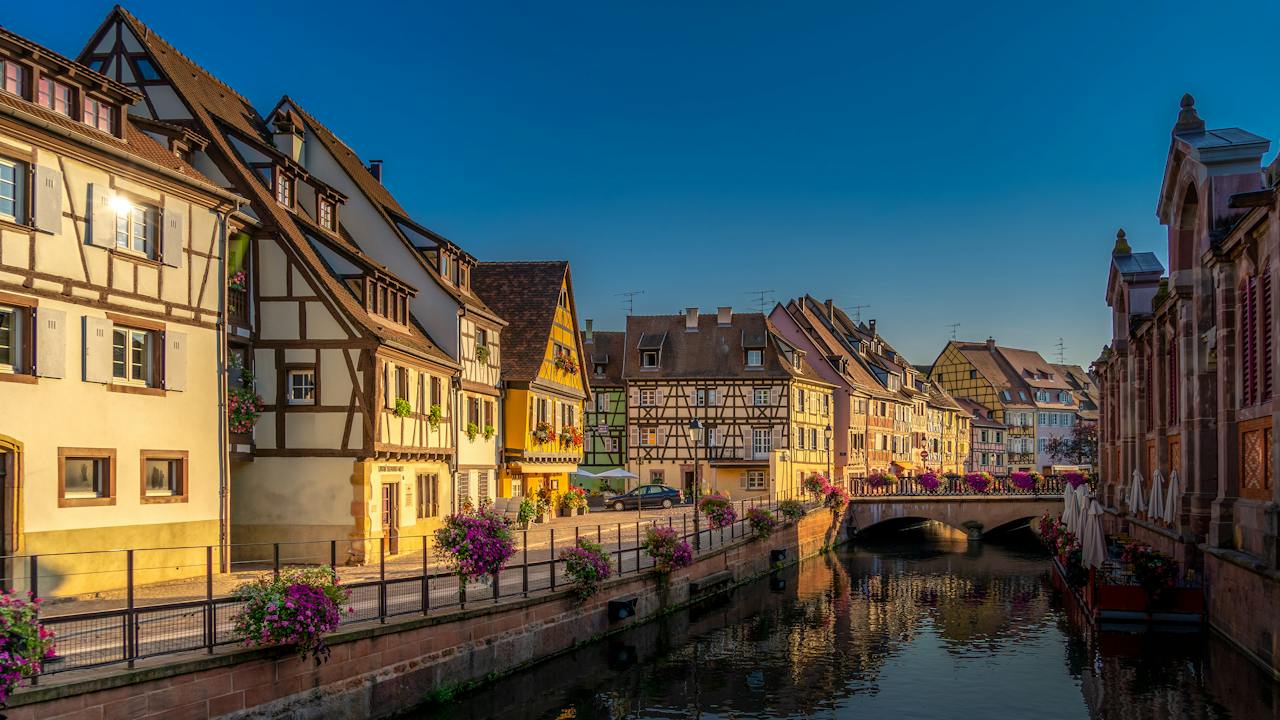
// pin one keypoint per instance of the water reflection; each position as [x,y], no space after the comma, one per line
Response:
[912,625]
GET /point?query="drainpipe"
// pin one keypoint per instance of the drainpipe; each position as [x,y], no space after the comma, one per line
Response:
[224,438]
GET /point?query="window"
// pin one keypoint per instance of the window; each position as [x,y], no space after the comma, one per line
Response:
[755,358]
[648,397]
[761,441]
[564,298]
[132,356]
[14,78]
[488,413]
[541,409]
[136,228]
[326,214]
[302,386]
[648,436]
[444,266]
[55,96]
[473,410]
[1064,397]
[146,70]
[760,396]
[11,336]
[435,391]
[86,477]
[649,359]
[429,495]
[402,383]
[164,476]
[800,400]
[754,480]
[602,401]
[1040,445]
[799,438]
[482,338]
[704,397]
[284,188]
[12,175]
[599,369]
[826,405]
[568,415]
[99,114]
[1005,394]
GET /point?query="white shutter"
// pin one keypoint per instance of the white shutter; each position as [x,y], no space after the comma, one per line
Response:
[46,189]
[633,395]
[175,360]
[388,372]
[662,436]
[102,218]
[173,234]
[97,349]
[657,396]
[693,397]
[747,441]
[742,480]
[51,343]
[633,434]
[775,442]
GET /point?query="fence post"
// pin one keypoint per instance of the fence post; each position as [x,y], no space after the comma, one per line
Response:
[497,578]
[211,621]
[35,593]
[553,559]
[275,560]
[130,638]
[333,556]
[382,579]
[426,576]
[524,569]
[599,535]
[637,548]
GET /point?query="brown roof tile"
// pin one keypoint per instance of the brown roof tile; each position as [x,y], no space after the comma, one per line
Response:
[526,295]
[606,347]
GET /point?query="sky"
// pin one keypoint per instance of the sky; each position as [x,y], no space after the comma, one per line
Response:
[941,162]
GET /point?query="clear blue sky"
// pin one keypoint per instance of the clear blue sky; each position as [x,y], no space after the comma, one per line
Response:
[943,162]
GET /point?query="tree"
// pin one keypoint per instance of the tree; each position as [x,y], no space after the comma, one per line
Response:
[1078,448]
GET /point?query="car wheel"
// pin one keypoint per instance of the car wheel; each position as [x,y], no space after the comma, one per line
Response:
[618,506]
[666,504]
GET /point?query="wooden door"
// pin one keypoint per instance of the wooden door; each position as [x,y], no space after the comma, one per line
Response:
[391,516]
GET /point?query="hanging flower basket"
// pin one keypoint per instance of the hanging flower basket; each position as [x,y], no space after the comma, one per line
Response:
[1025,480]
[929,481]
[719,511]
[570,436]
[587,566]
[244,404]
[668,551]
[475,544]
[881,480]
[979,481]
[296,608]
[791,509]
[835,497]
[1074,479]
[543,432]
[814,484]
[762,522]
[565,363]
[24,642]
[237,280]
[434,415]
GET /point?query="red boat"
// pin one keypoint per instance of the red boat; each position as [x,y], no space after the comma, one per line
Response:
[1111,602]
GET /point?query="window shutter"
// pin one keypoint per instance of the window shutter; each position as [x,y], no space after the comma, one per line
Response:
[747,442]
[51,343]
[775,395]
[174,235]
[97,349]
[46,188]
[175,360]
[387,370]
[693,397]
[102,219]
[633,395]
[662,436]
[657,397]
[633,435]
[777,437]
[742,480]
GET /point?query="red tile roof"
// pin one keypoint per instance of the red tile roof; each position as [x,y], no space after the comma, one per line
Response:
[526,295]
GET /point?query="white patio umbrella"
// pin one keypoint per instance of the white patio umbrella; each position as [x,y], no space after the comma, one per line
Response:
[1171,502]
[1156,501]
[1136,503]
[618,473]
[1093,546]
[1069,507]
[1082,503]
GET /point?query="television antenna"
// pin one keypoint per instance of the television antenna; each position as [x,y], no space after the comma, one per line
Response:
[630,301]
[762,299]
[954,327]
[857,313]
[1062,352]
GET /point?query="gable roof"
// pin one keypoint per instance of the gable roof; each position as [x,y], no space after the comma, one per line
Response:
[816,327]
[215,107]
[526,295]
[989,363]
[606,347]
[980,413]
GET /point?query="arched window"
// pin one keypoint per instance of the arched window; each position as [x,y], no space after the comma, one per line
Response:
[1171,367]
[1183,250]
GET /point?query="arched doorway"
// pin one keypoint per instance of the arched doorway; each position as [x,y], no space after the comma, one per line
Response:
[1182,254]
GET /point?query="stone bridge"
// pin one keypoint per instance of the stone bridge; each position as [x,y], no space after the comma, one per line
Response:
[974,515]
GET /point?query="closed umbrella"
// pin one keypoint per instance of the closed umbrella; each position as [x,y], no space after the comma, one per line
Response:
[1171,502]
[1136,504]
[1082,504]
[1156,501]
[1069,507]
[1093,546]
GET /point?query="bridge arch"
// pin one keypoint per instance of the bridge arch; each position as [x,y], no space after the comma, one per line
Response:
[974,515]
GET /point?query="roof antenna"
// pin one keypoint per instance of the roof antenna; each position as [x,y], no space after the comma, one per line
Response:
[954,327]
[857,313]
[761,301]
[630,300]
[1062,352]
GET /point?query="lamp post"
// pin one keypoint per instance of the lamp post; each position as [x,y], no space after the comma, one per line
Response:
[826,433]
[695,432]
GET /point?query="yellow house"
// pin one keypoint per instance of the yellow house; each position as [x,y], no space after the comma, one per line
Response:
[542,371]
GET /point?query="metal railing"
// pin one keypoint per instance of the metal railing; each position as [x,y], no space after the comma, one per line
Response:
[1051,485]
[145,617]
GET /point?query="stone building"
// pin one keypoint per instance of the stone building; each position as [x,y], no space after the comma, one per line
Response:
[1187,382]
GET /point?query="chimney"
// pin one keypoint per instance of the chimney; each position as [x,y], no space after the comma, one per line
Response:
[691,319]
[871,325]
[991,343]
[288,138]
[586,333]
[724,315]
[375,169]
[831,310]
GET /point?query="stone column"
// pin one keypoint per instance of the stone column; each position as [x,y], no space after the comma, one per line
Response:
[1199,404]
[1160,386]
[1222,525]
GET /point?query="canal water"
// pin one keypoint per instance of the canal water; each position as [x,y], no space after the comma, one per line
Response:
[910,624]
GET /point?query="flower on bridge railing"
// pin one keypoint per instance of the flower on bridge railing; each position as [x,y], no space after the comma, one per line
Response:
[1075,479]
[835,497]
[668,551]
[587,565]
[979,481]
[1026,480]
[815,484]
[762,522]
[791,509]
[296,608]
[24,642]
[719,510]
[879,480]
[476,544]
[929,481]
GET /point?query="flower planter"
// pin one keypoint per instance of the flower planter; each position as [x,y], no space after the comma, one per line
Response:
[543,518]
[523,525]
[565,512]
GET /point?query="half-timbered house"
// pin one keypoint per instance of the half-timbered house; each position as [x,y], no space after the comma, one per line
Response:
[766,412]
[606,415]
[543,373]
[111,261]
[450,311]
[350,380]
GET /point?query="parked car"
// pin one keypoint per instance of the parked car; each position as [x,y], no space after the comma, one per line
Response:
[647,496]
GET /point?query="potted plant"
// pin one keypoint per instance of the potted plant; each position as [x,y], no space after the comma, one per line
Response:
[435,415]
[1026,481]
[570,436]
[791,509]
[482,353]
[24,642]
[475,544]
[236,281]
[565,363]
[929,481]
[719,511]
[244,404]
[543,501]
[587,566]
[668,551]
[835,497]
[762,522]
[296,607]
[878,481]
[528,510]
[488,431]
[814,484]
[472,430]
[543,432]
[979,481]
[403,408]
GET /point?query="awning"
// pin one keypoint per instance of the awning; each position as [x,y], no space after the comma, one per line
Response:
[618,473]
[904,464]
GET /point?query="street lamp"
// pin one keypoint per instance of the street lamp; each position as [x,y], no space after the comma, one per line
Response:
[827,434]
[695,432]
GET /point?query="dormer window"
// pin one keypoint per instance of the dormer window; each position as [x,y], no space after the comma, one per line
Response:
[284,188]
[386,300]
[755,358]
[463,276]
[564,298]
[327,214]
[100,115]
[56,96]
[649,359]
[13,78]
[444,265]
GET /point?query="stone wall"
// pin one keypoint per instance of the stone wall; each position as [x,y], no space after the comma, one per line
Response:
[1242,599]
[376,670]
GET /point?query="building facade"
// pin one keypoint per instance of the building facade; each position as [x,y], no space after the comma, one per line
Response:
[111,260]
[988,440]
[605,427]
[1187,383]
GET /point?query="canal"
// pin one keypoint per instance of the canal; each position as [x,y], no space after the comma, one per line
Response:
[910,624]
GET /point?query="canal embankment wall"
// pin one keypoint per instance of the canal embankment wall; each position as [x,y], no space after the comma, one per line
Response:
[376,670]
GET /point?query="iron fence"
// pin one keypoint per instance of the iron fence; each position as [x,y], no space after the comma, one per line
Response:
[194,608]
[955,486]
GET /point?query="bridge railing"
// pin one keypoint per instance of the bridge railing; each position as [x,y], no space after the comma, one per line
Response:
[1049,485]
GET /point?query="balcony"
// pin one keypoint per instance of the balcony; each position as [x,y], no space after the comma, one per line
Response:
[238,307]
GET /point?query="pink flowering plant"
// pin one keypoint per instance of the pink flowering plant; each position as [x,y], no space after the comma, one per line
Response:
[1025,480]
[835,497]
[476,543]
[1075,479]
[814,484]
[719,511]
[762,522]
[929,481]
[297,608]
[24,643]
[668,550]
[881,480]
[979,481]
[587,565]
[244,404]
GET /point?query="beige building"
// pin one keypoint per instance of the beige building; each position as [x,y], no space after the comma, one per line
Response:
[111,264]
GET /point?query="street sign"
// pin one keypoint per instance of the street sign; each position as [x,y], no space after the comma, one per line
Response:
[924,454]
[602,429]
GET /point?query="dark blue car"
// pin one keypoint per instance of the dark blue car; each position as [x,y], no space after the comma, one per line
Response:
[647,496]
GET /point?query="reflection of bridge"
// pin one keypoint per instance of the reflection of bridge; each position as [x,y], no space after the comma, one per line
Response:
[954,503]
